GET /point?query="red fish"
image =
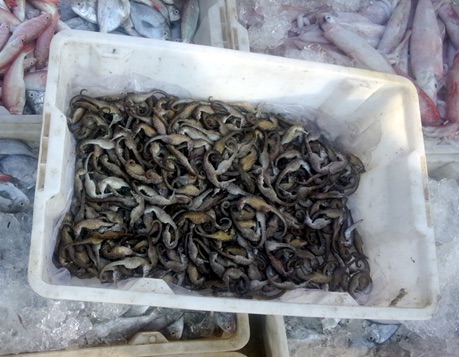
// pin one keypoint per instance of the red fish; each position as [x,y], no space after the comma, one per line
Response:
[32,28]
[13,91]
[10,51]
[44,41]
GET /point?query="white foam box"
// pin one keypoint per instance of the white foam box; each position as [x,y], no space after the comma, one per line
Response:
[372,115]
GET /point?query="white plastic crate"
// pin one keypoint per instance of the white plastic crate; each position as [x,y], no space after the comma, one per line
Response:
[219,26]
[155,344]
[375,116]
[22,127]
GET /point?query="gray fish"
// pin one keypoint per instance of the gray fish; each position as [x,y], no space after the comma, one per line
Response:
[22,167]
[189,22]
[149,22]
[15,147]
[12,199]
[174,331]
[122,326]
[174,13]
[164,318]
[112,13]
[379,333]
[86,9]
[226,321]
[36,99]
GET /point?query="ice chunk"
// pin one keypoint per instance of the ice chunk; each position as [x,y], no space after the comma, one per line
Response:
[271,34]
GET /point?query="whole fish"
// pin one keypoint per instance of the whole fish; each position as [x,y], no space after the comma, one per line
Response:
[149,22]
[426,40]
[32,28]
[354,46]
[12,199]
[11,51]
[36,100]
[22,167]
[157,5]
[111,14]
[13,90]
[378,332]
[123,326]
[86,9]
[396,27]
[15,147]
[44,41]
[189,21]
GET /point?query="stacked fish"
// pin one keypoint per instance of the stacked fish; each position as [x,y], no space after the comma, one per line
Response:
[25,37]
[173,324]
[159,19]
[18,171]
[413,38]
[211,196]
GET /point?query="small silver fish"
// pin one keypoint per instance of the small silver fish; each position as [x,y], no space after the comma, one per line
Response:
[15,147]
[379,333]
[22,168]
[149,22]
[86,9]
[36,99]
[174,13]
[226,321]
[122,326]
[12,199]
[189,21]
[111,14]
